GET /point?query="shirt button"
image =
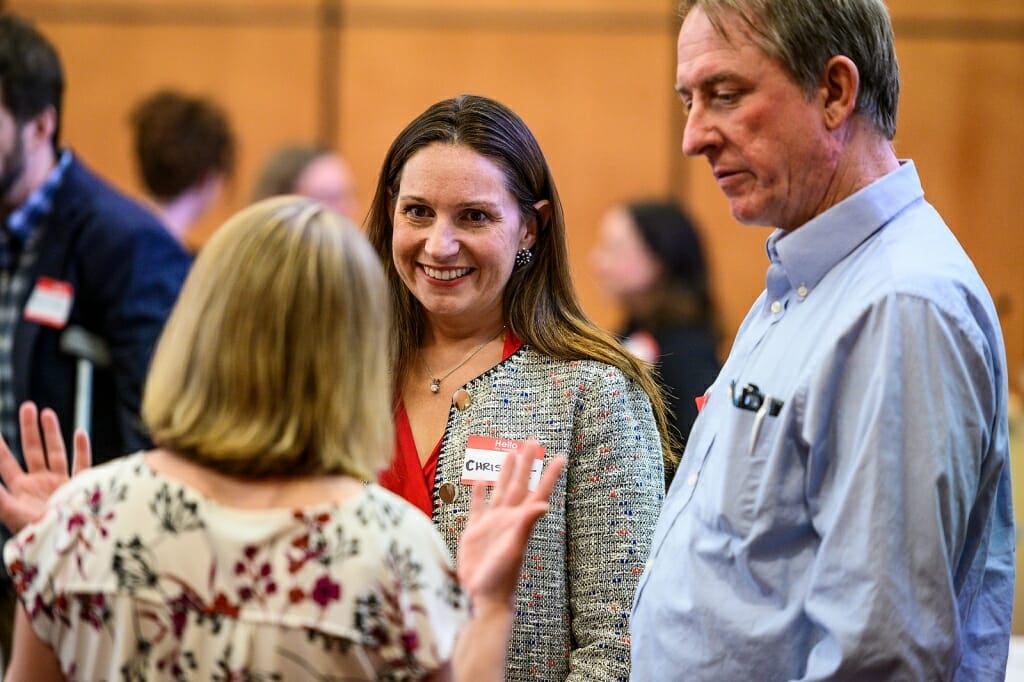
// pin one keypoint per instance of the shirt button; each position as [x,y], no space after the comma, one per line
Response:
[776,307]
[801,291]
[461,399]
[691,480]
[448,493]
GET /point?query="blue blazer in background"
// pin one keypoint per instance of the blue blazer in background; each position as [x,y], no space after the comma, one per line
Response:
[126,270]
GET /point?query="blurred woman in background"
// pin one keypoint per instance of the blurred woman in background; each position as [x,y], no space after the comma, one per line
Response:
[649,258]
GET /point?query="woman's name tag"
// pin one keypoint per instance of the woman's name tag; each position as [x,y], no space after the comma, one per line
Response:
[485,457]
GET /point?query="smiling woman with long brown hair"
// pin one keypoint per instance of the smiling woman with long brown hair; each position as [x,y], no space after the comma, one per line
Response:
[491,348]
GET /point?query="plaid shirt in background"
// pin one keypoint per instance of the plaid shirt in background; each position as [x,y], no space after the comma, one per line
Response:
[18,240]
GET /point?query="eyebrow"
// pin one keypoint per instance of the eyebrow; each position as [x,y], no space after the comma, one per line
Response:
[481,204]
[488,205]
[713,79]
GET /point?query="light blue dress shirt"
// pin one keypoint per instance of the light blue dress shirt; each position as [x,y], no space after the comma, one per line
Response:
[865,531]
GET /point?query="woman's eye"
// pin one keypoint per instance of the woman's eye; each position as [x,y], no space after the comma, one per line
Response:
[476,216]
[416,212]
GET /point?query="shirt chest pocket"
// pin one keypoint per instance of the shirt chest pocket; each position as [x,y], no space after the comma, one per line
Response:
[741,480]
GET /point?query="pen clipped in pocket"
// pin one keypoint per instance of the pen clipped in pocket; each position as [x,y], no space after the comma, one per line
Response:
[751,398]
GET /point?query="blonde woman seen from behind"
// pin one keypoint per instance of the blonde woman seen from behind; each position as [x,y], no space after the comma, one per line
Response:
[248,543]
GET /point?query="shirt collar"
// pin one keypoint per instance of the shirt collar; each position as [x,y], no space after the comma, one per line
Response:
[809,252]
[24,220]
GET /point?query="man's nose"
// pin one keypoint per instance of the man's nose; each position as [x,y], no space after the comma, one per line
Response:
[699,133]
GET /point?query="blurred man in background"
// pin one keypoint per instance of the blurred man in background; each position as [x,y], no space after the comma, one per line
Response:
[312,171]
[75,257]
[185,152]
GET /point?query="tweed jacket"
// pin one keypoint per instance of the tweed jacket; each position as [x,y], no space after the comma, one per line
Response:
[586,555]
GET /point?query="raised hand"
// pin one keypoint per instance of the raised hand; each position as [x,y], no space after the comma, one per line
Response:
[24,494]
[491,550]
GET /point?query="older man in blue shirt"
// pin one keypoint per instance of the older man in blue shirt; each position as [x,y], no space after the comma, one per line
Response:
[843,507]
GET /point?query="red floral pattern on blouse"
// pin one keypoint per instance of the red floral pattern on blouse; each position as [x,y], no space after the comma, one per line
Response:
[133,576]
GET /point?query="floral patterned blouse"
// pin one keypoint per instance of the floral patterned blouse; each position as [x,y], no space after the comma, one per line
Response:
[133,576]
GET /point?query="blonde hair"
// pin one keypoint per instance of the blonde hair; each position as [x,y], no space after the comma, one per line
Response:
[541,306]
[274,361]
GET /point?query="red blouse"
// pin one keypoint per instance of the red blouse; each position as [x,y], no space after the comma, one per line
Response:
[406,476]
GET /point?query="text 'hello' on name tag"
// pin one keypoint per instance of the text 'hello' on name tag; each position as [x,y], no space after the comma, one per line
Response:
[485,457]
[49,303]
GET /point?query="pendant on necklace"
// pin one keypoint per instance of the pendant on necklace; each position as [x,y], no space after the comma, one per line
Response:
[435,385]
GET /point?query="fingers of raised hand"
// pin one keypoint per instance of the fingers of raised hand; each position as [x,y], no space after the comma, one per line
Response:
[83,452]
[31,437]
[514,482]
[505,479]
[521,465]
[552,472]
[10,470]
[477,501]
[513,485]
[56,453]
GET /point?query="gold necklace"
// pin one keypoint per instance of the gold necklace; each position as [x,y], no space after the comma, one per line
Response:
[435,382]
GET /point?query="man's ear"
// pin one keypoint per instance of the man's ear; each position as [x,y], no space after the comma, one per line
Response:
[42,127]
[840,83]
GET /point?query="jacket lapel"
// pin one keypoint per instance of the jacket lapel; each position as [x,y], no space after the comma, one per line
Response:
[52,260]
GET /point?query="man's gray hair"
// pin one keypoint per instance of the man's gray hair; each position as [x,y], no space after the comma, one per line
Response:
[804,34]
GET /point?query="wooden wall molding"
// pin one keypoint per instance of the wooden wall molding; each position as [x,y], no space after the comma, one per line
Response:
[975,30]
[333,13]
[618,21]
[170,14]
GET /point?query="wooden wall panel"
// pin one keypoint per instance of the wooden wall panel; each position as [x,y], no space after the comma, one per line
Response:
[960,115]
[97,7]
[592,78]
[546,7]
[975,10]
[598,102]
[265,77]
